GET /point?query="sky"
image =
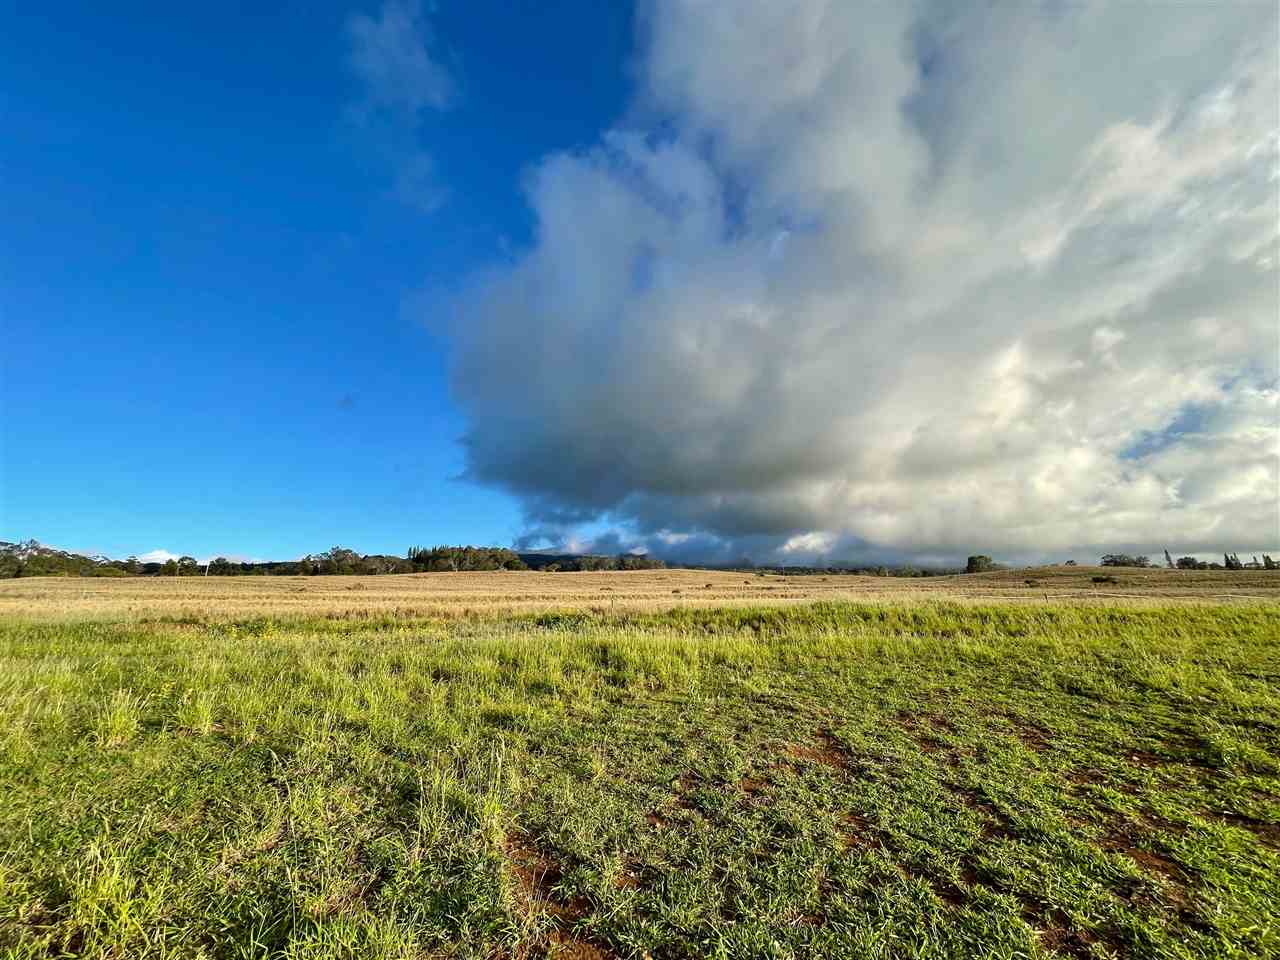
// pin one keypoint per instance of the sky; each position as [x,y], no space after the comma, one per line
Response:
[794,280]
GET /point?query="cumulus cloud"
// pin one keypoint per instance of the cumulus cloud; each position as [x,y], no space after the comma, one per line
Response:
[157,556]
[901,281]
[393,56]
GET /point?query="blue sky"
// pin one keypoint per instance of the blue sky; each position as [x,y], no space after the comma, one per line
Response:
[800,280]
[205,263]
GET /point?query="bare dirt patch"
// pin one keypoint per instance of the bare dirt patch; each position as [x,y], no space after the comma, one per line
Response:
[565,946]
[1147,760]
[995,825]
[950,894]
[686,786]
[826,750]
[1267,833]
[927,731]
[630,877]
[538,877]
[1148,861]
[858,833]
[1033,736]
[941,725]
[1068,941]
[808,920]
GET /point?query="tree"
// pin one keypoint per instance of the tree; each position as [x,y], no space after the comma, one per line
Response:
[339,560]
[454,559]
[1124,560]
[170,568]
[637,561]
[187,567]
[1189,563]
[979,563]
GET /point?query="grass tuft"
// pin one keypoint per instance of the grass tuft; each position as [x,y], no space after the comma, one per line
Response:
[119,718]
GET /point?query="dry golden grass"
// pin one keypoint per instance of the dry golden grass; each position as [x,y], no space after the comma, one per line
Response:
[454,594]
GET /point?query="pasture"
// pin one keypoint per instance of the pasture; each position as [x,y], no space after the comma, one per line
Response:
[659,764]
[488,594]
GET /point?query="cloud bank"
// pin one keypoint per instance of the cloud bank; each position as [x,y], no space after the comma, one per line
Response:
[900,281]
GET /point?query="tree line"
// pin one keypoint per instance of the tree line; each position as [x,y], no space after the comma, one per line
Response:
[1230,561]
[981,563]
[34,560]
[340,561]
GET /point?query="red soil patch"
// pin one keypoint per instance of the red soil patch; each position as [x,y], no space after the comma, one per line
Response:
[1073,943]
[1267,833]
[537,875]
[565,946]
[995,826]
[827,751]
[752,785]
[859,834]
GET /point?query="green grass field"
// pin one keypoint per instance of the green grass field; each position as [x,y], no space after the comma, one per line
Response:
[911,779]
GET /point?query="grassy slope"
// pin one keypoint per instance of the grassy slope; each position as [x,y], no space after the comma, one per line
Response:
[836,780]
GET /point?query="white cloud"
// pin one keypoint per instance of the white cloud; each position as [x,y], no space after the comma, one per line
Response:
[816,543]
[902,280]
[402,79]
[157,556]
[392,56]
